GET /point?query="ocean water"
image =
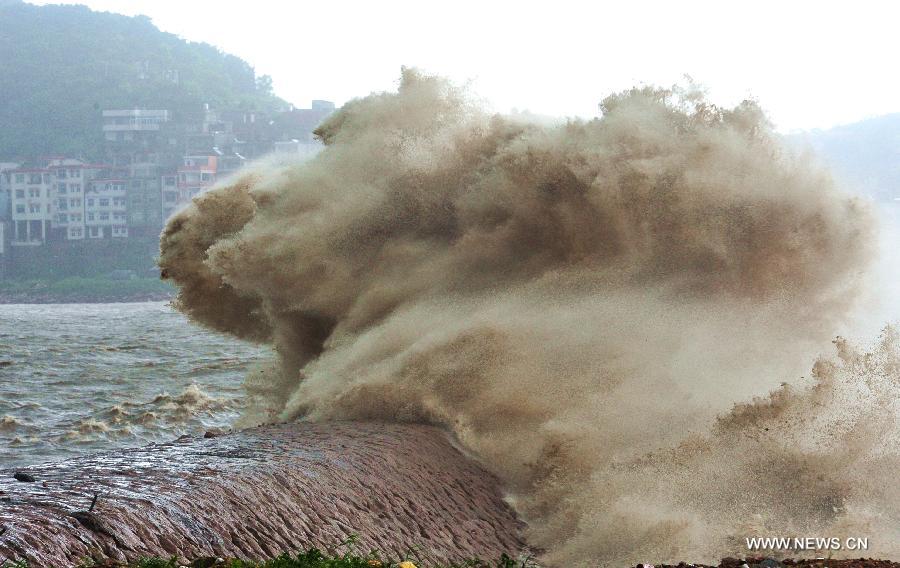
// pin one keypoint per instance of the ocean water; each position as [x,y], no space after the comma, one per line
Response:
[78,378]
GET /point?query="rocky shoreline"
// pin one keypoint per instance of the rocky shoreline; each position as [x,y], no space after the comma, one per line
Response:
[258,493]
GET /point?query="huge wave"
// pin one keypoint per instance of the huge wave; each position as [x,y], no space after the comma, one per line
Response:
[618,316]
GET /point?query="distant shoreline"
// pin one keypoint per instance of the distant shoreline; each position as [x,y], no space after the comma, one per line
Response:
[85,291]
[50,298]
[40,299]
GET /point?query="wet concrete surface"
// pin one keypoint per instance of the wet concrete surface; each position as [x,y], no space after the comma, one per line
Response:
[260,492]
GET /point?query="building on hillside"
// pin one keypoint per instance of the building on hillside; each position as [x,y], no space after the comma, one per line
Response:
[195,175]
[298,124]
[31,200]
[5,214]
[228,163]
[144,200]
[106,208]
[70,183]
[141,136]
[169,187]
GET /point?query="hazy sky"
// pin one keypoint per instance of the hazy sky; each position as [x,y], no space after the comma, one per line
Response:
[810,64]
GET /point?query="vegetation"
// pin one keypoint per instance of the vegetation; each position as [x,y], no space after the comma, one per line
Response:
[311,558]
[87,259]
[314,558]
[62,65]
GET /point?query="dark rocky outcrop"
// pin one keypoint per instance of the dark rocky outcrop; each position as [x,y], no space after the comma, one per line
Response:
[260,492]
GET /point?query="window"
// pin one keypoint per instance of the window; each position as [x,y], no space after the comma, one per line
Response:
[75,187]
[90,202]
[76,232]
[90,216]
[75,173]
[20,194]
[61,188]
[75,202]
[34,193]
[62,205]
[104,202]
[20,209]
[34,179]
[104,216]
[63,218]
[20,178]
[34,208]
[46,178]
[60,174]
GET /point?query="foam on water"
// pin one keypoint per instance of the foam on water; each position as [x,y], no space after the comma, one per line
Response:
[90,377]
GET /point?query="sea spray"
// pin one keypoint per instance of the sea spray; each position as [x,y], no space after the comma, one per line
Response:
[588,306]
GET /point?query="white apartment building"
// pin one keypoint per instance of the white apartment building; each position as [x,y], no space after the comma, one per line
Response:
[106,208]
[133,124]
[68,198]
[31,198]
[62,197]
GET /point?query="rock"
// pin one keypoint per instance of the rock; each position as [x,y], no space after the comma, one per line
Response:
[5,363]
[207,562]
[24,477]
[91,522]
[769,563]
[201,498]
[214,433]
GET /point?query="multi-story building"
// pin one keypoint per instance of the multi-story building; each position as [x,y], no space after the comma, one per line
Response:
[58,198]
[70,182]
[138,126]
[144,200]
[195,175]
[31,200]
[141,136]
[106,208]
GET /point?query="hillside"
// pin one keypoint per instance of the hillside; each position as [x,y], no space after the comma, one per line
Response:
[62,65]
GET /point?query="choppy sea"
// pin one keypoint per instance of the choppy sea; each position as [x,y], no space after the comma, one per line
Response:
[77,378]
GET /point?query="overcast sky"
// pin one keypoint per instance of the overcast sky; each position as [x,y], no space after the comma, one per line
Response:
[810,64]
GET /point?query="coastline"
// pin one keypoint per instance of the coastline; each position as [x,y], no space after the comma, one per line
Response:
[77,290]
[259,492]
[7,298]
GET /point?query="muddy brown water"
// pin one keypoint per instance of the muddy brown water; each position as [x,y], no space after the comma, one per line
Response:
[404,490]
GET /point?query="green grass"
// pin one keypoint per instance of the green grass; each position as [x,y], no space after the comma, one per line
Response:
[314,558]
[311,558]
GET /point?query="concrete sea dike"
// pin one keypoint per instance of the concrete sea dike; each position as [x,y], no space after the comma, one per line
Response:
[260,492]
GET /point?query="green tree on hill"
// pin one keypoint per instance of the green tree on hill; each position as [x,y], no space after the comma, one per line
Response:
[60,66]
